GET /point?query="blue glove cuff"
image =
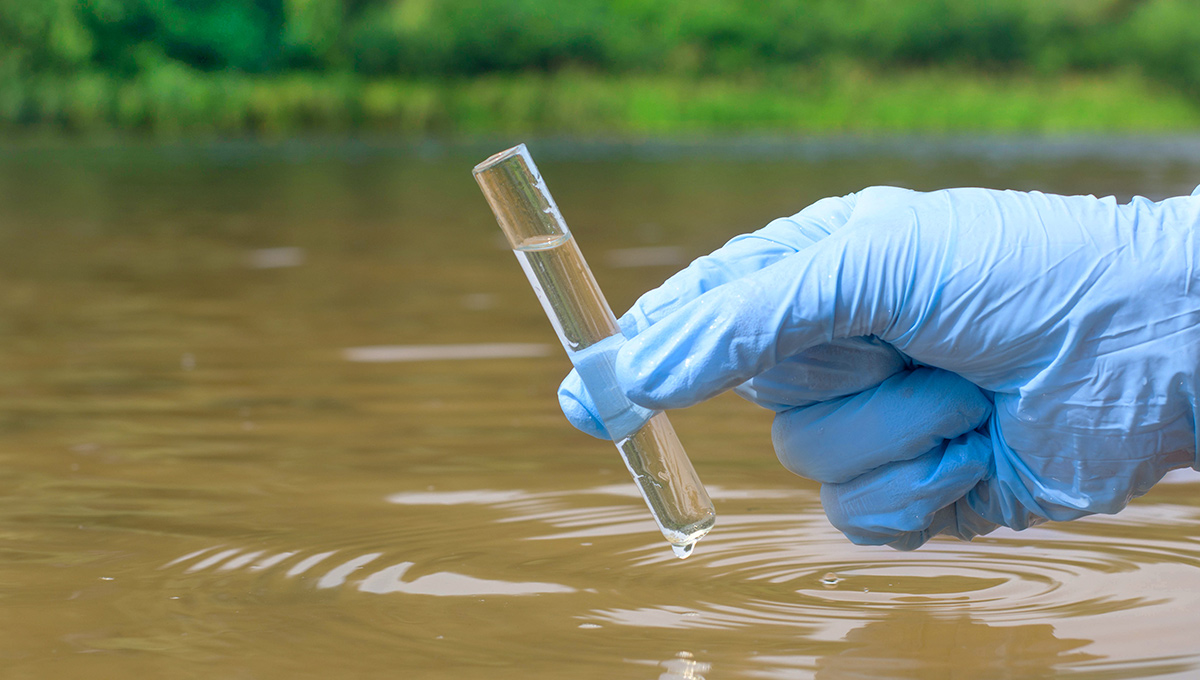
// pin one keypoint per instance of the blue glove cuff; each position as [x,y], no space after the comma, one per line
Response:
[596,366]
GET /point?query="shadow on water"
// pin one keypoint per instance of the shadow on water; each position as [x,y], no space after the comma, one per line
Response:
[290,411]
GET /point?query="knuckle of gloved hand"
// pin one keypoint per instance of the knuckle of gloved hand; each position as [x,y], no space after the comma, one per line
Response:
[872,511]
[804,446]
[854,519]
[959,401]
[974,406]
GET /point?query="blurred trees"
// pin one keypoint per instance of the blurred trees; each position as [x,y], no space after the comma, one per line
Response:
[71,61]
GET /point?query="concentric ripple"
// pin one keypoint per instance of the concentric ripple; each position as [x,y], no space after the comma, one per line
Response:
[795,570]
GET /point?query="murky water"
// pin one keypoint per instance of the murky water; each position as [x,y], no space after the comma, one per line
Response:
[289,412]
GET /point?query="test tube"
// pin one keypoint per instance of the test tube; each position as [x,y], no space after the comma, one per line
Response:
[589,333]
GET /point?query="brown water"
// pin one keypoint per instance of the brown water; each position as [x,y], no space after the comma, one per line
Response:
[229,448]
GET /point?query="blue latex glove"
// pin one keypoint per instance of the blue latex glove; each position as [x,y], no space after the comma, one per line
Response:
[1078,317]
[933,407]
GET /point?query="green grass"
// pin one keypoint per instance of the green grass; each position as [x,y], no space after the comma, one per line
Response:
[180,102]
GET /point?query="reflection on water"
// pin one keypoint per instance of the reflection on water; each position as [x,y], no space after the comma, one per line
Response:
[494,350]
[684,667]
[921,646]
[290,413]
[273,258]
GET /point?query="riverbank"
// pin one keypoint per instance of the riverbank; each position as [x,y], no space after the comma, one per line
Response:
[178,102]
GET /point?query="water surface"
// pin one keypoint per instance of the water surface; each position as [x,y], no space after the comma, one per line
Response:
[288,411]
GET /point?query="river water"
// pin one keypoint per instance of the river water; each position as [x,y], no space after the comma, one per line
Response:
[288,411]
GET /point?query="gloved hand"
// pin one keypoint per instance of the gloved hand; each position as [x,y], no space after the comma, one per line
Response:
[1075,314]
[938,406]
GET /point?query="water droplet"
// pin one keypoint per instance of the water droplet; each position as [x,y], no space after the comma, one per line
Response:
[682,550]
[830,580]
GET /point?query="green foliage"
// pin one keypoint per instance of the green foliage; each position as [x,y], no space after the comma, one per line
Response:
[312,32]
[1164,36]
[43,35]
[233,65]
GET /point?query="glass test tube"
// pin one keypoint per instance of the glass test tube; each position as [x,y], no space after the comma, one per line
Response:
[582,318]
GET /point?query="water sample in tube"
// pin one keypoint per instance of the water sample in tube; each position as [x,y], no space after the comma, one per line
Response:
[589,333]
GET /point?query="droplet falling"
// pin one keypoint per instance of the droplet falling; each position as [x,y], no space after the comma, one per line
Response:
[682,550]
[830,580]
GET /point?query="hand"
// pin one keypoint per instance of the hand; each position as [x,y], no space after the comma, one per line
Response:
[935,406]
[1078,317]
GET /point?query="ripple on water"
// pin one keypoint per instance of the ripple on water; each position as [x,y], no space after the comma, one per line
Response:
[796,556]
[764,566]
[359,572]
